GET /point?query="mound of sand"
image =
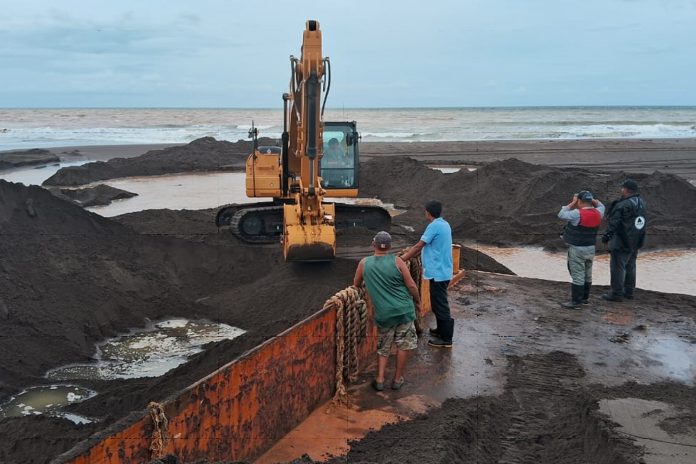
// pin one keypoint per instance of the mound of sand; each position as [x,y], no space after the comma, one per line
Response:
[93,196]
[72,278]
[204,154]
[18,158]
[515,203]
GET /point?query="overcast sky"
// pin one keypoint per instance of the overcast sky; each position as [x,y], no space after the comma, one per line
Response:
[384,53]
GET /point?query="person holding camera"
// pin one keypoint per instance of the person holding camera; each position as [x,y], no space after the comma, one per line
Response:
[583,215]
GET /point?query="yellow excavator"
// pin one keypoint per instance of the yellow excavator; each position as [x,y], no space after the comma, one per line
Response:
[301,173]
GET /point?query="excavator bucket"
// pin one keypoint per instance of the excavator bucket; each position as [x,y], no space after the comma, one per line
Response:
[308,242]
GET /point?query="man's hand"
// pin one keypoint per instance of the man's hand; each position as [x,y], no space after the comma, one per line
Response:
[595,202]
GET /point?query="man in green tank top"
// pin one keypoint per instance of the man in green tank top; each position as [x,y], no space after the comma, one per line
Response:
[394,296]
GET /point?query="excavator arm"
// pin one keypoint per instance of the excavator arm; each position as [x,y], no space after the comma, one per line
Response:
[309,229]
[295,175]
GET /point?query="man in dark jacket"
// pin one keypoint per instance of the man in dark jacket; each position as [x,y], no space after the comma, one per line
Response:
[625,235]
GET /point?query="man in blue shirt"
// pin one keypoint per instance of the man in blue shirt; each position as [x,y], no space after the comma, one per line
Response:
[436,246]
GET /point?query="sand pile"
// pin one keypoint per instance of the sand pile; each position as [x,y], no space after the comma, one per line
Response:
[72,278]
[204,154]
[18,158]
[515,203]
[100,195]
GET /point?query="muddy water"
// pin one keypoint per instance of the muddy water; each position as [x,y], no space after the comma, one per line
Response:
[640,420]
[148,352]
[669,271]
[36,175]
[178,191]
[46,400]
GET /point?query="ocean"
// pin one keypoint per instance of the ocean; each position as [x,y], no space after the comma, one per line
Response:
[42,128]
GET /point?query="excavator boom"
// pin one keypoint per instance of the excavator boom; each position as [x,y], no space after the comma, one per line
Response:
[304,171]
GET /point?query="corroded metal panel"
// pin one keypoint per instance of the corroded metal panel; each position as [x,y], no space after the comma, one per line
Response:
[244,407]
[241,409]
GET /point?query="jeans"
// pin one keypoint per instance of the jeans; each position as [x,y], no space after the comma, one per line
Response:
[623,272]
[441,309]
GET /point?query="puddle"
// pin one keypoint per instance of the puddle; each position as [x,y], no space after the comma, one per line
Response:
[638,420]
[47,400]
[452,169]
[669,271]
[35,175]
[668,355]
[149,352]
[177,191]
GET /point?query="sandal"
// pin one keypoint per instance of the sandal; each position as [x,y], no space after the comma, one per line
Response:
[397,384]
[379,386]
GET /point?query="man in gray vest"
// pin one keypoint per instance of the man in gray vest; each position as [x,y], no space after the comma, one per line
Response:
[625,235]
[584,215]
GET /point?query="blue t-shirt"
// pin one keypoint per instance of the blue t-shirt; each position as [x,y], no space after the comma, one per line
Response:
[437,252]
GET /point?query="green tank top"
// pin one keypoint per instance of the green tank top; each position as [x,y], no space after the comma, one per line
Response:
[388,292]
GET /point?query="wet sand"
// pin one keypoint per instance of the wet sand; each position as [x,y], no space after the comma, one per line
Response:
[522,384]
[76,278]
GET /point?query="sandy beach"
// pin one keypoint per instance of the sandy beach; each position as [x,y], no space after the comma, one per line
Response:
[76,278]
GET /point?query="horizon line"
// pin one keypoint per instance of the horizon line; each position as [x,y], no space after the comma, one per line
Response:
[338,108]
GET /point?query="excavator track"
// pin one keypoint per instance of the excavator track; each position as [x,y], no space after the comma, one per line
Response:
[263,222]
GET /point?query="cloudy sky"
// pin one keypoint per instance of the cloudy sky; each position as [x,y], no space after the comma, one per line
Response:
[384,53]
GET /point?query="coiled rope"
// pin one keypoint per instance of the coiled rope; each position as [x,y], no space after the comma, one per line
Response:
[160,423]
[351,328]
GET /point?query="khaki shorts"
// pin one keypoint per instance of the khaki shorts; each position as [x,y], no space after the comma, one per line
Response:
[403,335]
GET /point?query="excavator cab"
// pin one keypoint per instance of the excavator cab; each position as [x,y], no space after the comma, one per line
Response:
[338,165]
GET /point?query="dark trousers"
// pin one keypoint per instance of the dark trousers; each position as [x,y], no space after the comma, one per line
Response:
[623,272]
[441,309]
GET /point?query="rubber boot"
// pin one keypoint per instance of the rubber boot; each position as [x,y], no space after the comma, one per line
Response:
[576,292]
[586,293]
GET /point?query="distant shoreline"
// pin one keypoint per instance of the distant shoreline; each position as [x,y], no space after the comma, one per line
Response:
[646,155]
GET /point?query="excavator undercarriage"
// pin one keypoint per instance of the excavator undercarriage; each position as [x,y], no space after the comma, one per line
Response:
[262,222]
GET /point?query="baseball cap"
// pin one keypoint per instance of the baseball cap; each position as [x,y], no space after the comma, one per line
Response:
[585,196]
[630,184]
[383,240]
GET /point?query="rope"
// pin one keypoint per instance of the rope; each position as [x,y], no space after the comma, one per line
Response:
[415,268]
[351,328]
[159,430]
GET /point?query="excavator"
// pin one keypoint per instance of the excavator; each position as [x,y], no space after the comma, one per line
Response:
[304,171]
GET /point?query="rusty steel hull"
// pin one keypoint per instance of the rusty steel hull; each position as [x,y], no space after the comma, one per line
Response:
[241,409]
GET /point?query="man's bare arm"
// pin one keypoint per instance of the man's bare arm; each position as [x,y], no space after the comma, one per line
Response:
[413,251]
[358,279]
[408,280]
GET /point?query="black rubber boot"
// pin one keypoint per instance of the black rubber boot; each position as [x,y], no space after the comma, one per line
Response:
[576,292]
[586,293]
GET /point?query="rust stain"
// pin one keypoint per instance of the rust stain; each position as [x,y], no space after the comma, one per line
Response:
[242,409]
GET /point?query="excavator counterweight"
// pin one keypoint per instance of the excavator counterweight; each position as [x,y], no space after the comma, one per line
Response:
[317,160]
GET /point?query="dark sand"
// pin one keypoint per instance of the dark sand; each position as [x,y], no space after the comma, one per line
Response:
[71,278]
[92,196]
[675,156]
[20,158]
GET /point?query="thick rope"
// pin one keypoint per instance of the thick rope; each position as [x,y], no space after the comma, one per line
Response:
[160,424]
[415,268]
[351,328]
